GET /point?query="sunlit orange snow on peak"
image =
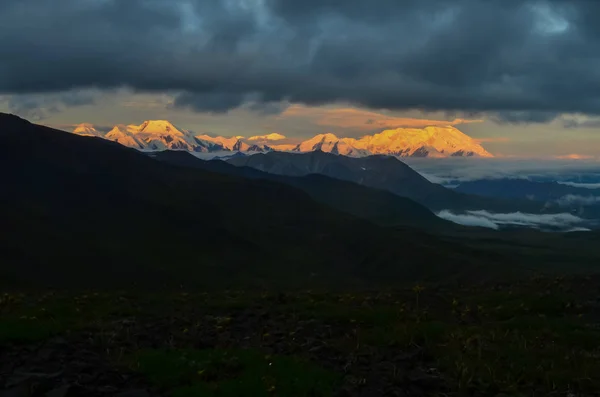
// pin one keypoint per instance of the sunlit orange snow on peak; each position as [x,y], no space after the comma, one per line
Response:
[270,137]
[364,119]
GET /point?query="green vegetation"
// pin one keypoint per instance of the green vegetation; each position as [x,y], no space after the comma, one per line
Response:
[542,335]
[230,373]
[31,317]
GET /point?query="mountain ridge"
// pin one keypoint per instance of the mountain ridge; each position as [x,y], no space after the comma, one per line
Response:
[381,172]
[376,205]
[432,141]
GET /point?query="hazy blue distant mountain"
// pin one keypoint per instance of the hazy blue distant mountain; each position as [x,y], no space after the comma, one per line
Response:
[381,172]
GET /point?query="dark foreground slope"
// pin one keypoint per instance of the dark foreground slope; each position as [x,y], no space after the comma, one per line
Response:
[381,172]
[79,210]
[376,205]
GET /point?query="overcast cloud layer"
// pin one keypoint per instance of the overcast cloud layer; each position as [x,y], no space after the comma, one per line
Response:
[524,61]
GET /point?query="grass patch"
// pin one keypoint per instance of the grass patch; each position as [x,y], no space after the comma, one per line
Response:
[27,329]
[27,318]
[542,336]
[406,334]
[509,358]
[229,373]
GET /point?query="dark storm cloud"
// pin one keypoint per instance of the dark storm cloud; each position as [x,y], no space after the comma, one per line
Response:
[38,107]
[268,108]
[525,61]
[218,102]
[523,117]
[222,102]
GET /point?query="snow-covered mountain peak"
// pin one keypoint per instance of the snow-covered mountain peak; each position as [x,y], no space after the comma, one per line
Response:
[269,137]
[332,144]
[316,142]
[433,141]
[153,135]
[226,143]
[120,134]
[157,127]
[86,129]
[327,137]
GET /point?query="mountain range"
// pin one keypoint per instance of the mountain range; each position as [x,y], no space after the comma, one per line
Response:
[327,155]
[431,141]
[84,211]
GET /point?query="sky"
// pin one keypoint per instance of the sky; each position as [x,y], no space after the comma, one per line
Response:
[521,76]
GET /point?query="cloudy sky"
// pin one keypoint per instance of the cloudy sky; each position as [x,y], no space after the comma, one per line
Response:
[523,76]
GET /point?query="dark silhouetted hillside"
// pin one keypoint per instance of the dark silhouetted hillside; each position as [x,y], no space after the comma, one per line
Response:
[376,205]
